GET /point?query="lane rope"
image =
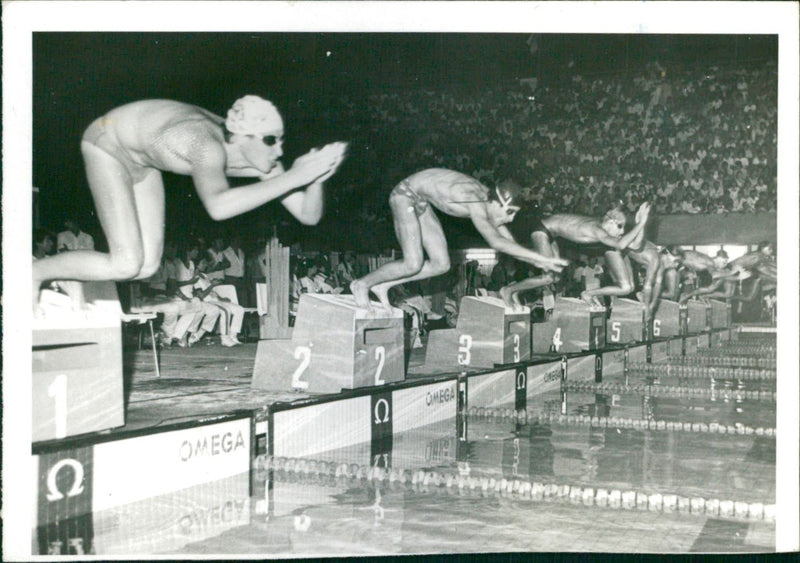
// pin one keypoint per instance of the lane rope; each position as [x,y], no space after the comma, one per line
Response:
[679,391]
[465,482]
[701,371]
[724,361]
[529,416]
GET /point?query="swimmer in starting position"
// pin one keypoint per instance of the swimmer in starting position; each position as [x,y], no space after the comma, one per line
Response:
[419,231]
[544,229]
[126,150]
[759,263]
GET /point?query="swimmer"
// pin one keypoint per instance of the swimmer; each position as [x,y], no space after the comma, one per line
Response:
[544,230]
[665,285]
[709,271]
[759,263]
[126,150]
[657,264]
[419,231]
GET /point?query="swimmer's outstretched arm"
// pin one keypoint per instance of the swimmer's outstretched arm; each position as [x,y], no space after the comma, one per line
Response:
[501,240]
[769,271]
[223,202]
[307,205]
[703,291]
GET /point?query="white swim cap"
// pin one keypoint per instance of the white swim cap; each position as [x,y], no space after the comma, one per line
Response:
[253,115]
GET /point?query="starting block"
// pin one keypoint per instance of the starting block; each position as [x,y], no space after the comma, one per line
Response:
[626,323]
[487,333]
[720,314]
[335,345]
[77,367]
[666,320]
[573,327]
[697,318]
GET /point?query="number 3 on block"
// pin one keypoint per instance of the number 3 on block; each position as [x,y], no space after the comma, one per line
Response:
[464,349]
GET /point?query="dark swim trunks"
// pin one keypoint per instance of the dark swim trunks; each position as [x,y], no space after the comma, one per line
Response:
[528,221]
[404,189]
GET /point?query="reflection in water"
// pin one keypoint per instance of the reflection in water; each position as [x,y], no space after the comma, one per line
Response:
[442,495]
[564,479]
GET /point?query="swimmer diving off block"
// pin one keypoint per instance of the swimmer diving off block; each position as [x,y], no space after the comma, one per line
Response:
[419,231]
[125,151]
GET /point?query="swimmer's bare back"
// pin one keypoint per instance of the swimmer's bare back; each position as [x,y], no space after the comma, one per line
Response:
[162,134]
[447,190]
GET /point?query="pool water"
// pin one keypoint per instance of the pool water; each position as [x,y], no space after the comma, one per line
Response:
[589,488]
[651,461]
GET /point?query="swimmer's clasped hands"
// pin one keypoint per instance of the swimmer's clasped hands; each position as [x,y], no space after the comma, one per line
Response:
[643,213]
[318,165]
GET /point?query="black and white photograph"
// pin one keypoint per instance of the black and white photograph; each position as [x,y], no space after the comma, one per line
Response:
[346,279]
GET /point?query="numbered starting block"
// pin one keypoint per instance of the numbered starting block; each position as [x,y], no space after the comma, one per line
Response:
[626,323]
[697,316]
[666,320]
[487,333]
[77,367]
[720,314]
[573,327]
[335,345]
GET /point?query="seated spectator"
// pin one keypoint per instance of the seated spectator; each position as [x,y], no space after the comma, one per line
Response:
[232,317]
[181,284]
[44,243]
[155,297]
[346,271]
[235,273]
[213,262]
[73,238]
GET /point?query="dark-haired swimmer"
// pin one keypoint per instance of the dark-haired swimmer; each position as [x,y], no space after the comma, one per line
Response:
[710,272]
[419,231]
[758,263]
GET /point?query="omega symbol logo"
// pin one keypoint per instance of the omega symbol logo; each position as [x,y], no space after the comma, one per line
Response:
[53,493]
[378,404]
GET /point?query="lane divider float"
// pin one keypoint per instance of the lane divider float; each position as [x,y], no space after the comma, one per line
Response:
[467,483]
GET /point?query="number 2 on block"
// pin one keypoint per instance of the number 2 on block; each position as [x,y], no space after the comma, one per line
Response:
[380,355]
[301,353]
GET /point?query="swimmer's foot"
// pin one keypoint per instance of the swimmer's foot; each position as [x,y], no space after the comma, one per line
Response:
[360,293]
[74,289]
[507,297]
[587,298]
[381,291]
[35,295]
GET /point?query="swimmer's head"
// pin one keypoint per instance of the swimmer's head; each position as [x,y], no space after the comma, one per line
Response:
[255,125]
[253,115]
[672,257]
[767,248]
[721,259]
[504,201]
[614,222]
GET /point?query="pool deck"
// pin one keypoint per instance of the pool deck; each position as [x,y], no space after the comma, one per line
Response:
[206,380]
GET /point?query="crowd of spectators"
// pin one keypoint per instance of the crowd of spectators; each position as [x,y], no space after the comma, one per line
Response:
[689,140]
